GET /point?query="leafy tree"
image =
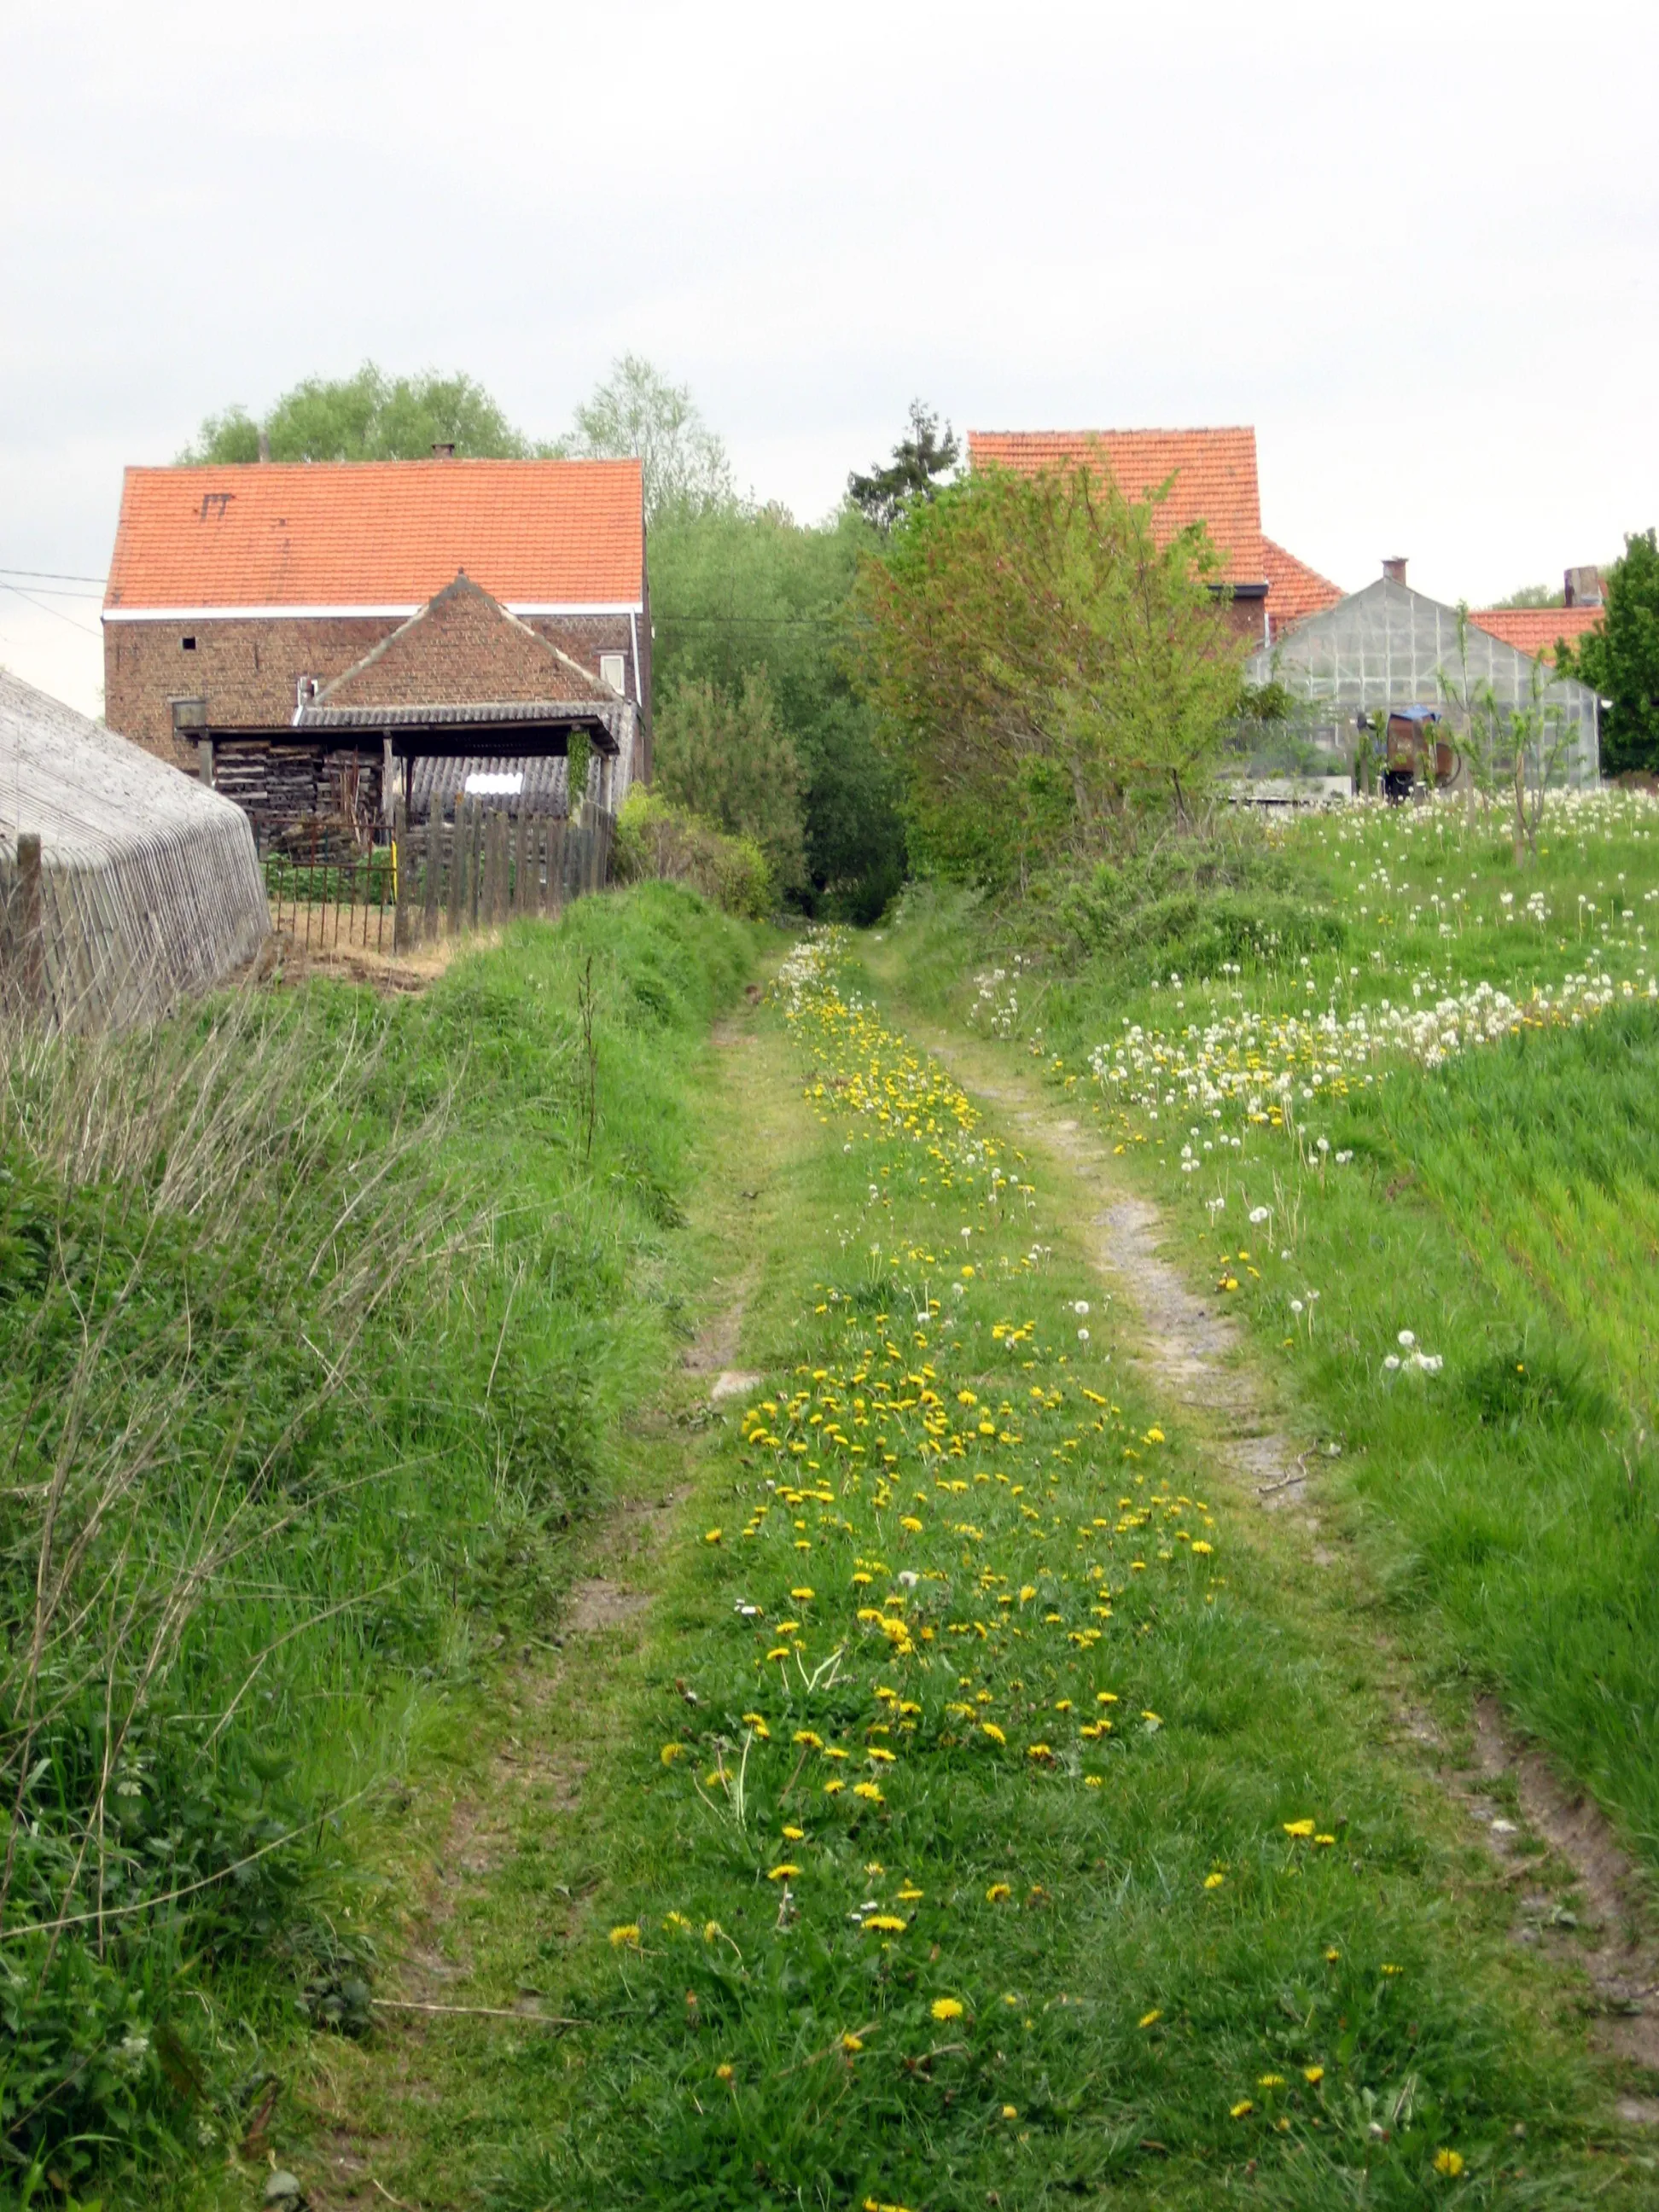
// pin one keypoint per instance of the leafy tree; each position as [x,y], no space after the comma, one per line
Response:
[725,755]
[366,417]
[1534,595]
[738,590]
[1042,668]
[1620,660]
[919,461]
[637,411]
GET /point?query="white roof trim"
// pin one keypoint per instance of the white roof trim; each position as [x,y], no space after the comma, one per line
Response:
[399,613]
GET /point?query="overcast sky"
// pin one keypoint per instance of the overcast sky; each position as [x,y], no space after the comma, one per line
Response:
[1414,246]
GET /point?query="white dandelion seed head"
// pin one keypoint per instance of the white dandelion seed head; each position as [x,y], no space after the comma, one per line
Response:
[1083,1336]
[1260,1213]
[1391,1363]
[1407,1337]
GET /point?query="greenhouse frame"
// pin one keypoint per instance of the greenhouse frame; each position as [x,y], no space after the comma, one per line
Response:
[1387,648]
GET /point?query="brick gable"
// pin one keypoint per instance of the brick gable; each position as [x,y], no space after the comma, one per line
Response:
[463,648]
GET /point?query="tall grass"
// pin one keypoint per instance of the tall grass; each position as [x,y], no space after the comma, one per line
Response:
[314,1311]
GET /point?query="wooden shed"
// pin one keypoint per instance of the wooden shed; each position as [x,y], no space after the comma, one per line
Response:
[124,885]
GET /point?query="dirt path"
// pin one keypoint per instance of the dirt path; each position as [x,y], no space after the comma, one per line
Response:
[1577,1895]
[464,1973]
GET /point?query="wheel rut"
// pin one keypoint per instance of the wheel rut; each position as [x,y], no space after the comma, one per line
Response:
[1579,1895]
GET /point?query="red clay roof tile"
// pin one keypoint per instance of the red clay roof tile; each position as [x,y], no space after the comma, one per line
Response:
[1214,477]
[378,533]
[1294,590]
[1534,630]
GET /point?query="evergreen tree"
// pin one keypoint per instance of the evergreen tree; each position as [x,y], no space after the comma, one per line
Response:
[919,462]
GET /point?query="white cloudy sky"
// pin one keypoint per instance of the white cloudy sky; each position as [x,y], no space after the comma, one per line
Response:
[1414,245]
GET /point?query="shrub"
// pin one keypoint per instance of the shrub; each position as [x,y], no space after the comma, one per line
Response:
[658,840]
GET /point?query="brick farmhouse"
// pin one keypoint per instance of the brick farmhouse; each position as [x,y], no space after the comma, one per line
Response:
[1212,479]
[315,639]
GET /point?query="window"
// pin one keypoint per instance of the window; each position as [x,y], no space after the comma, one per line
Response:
[188,644]
[612,667]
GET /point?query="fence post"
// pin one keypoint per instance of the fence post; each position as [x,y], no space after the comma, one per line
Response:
[30,939]
[401,909]
[457,866]
[435,849]
[518,903]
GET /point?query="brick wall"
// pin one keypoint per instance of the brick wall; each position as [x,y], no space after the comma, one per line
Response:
[248,671]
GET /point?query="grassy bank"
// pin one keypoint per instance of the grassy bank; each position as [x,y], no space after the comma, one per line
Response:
[315,1313]
[1400,1098]
[985,1817]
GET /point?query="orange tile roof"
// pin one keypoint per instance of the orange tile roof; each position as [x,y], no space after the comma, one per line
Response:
[1214,474]
[1534,630]
[377,534]
[1294,590]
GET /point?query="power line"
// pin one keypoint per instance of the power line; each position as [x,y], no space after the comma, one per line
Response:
[57,613]
[54,576]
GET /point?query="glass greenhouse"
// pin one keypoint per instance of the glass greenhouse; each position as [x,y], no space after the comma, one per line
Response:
[1389,647]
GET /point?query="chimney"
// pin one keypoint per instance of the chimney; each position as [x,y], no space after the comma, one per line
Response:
[1395,568]
[443,449]
[264,444]
[1583,587]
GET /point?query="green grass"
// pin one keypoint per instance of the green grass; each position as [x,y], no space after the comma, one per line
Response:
[1065,2003]
[1503,1206]
[316,1317]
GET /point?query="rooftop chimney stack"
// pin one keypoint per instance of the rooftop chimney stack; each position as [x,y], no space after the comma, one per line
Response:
[1395,568]
[443,449]
[1583,587]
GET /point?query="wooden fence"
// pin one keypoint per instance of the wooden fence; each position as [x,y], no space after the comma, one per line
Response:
[437,879]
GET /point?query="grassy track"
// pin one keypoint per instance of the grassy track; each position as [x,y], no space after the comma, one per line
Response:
[981,1811]
[1291,1072]
[317,1315]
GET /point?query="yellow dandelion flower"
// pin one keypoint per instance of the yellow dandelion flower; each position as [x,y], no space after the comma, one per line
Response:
[1011,2112]
[868,1790]
[1093,1782]
[1297,1828]
[713,1537]
[628,1932]
[852,2043]
[785,1872]
[1241,2107]
[946,2008]
[1450,2162]
[1214,1880]
[886,1924]
[1313,2075]
[1331,1955]
[803,1597]
[671,1751]
[990,1729]
[806,1737]
[1147,2018]
[723,2072]
[1326,1841]
[997,1891]
[794,1835]
[1270,2082]
[1039,1751]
